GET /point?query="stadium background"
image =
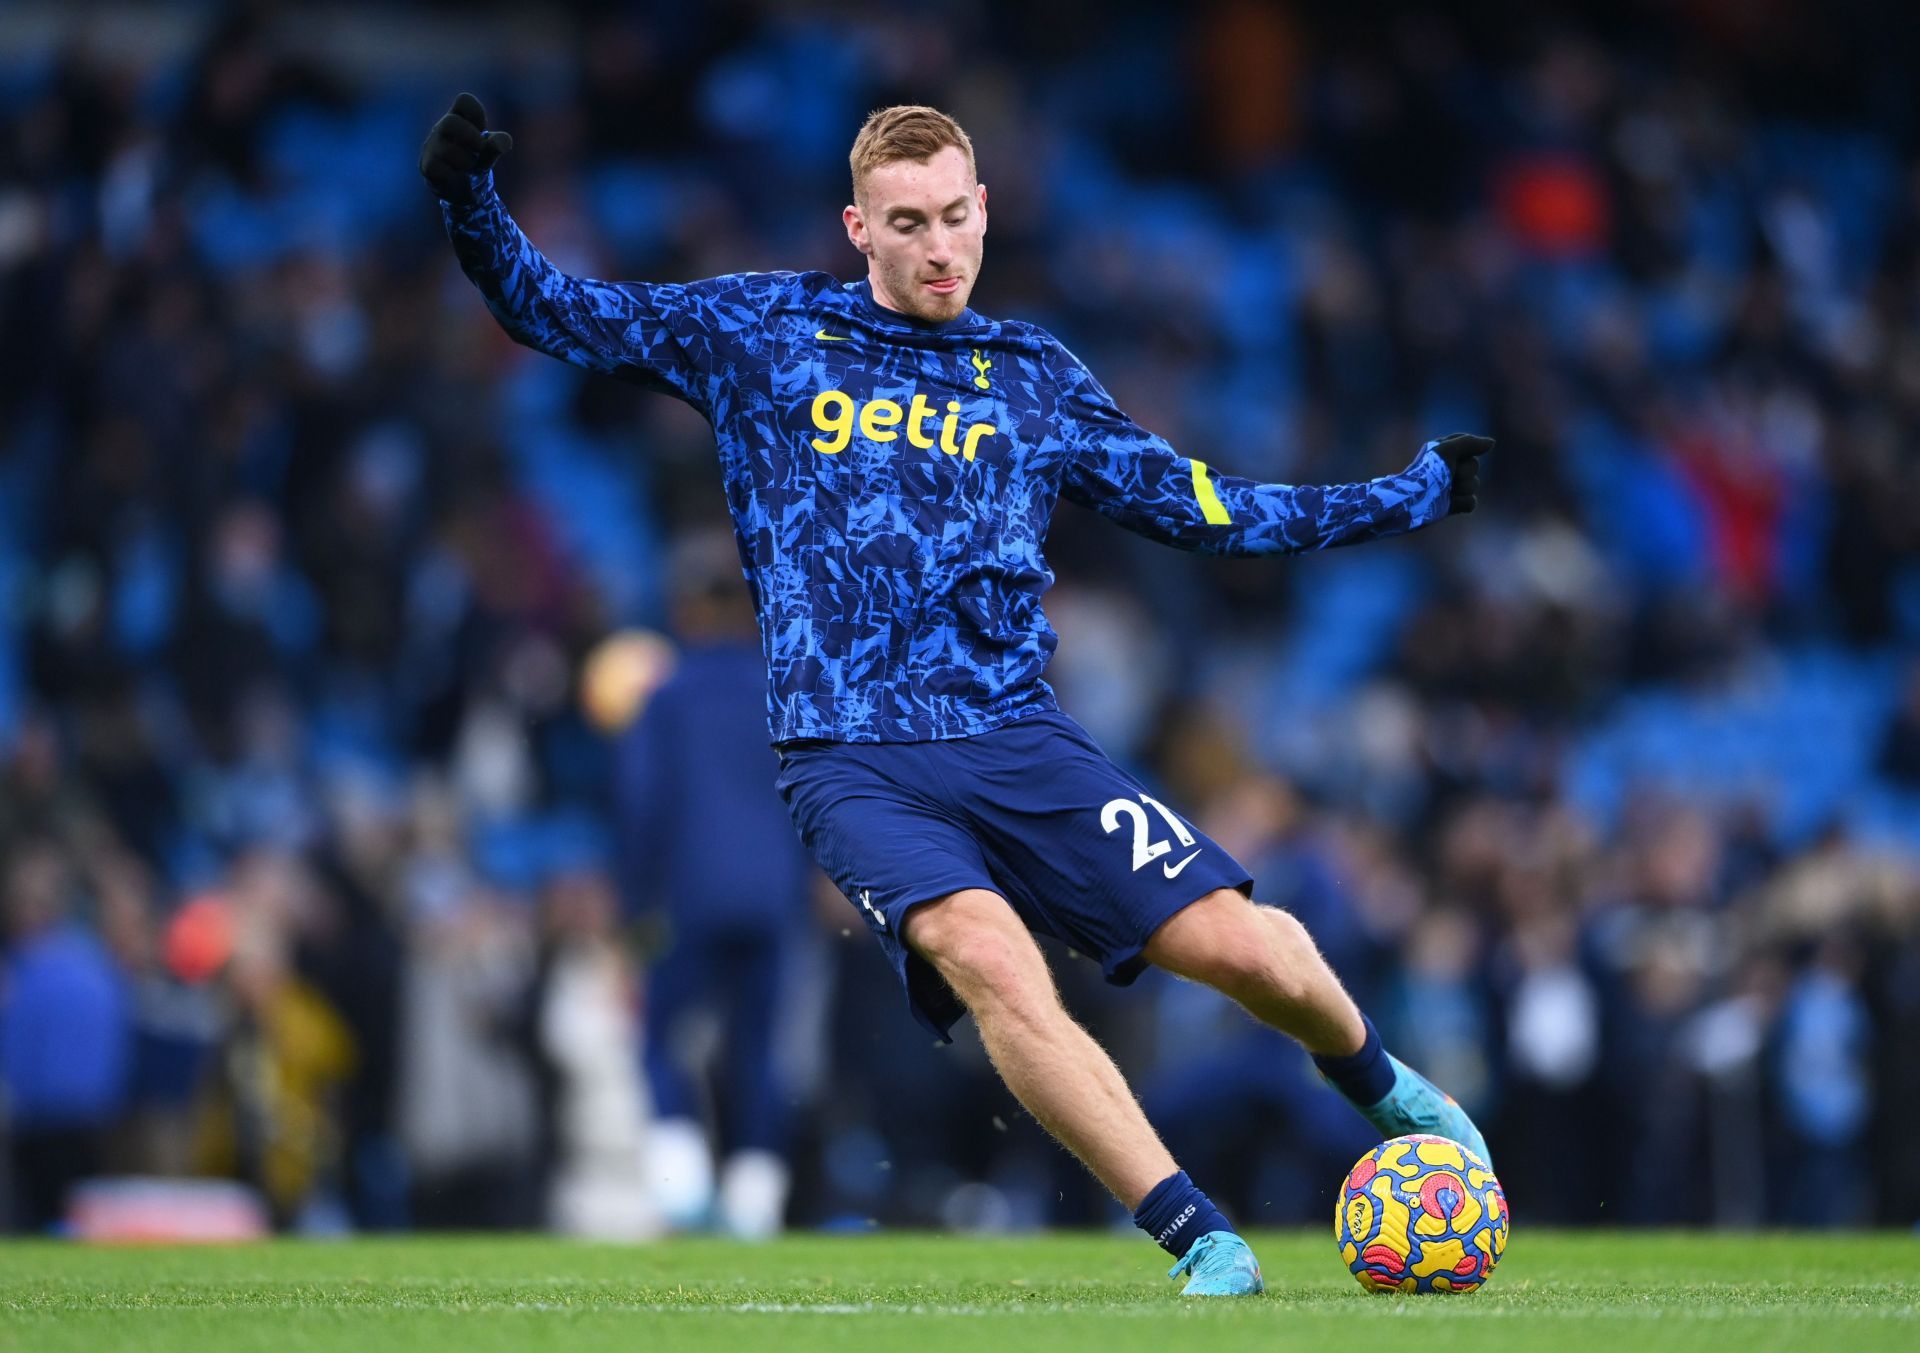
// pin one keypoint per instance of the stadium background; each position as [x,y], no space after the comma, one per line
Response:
[1605,802]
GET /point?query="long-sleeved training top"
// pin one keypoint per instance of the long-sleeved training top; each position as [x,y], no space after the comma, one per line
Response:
[891,480]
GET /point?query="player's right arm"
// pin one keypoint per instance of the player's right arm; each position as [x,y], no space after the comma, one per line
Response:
[655,334]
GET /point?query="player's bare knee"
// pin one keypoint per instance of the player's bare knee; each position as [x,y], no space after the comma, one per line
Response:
[997,972]
[970,962]
[980,948]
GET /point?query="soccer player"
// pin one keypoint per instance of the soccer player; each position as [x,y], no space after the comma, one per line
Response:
[891,460]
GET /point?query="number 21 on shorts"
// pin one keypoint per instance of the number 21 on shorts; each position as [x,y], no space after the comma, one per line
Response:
[1145,849]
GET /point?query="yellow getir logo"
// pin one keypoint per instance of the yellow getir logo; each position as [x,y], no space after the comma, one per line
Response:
[836,413]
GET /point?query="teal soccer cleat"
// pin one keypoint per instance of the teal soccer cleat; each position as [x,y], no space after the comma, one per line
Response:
[1220,1265]
[1417,1105]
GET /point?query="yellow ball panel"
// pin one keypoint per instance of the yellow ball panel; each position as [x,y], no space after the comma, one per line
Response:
[1394,1158]
[1441,1153]
[1440,1256]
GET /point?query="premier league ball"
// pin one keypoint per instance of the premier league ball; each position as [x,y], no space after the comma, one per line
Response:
[1421,1214]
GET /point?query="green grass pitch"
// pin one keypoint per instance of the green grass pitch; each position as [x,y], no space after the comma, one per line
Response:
[1624,1292]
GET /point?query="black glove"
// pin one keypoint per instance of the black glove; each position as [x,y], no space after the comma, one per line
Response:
[1462,451]
[458,148]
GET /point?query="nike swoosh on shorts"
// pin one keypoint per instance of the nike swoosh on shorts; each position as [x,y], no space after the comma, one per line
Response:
[1173,870]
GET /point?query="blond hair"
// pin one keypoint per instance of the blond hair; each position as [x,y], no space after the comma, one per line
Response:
[907,131]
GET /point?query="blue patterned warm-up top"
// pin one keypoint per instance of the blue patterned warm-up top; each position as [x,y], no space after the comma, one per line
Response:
[891,481]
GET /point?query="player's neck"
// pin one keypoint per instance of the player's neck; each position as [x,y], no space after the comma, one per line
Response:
[877,297]
[884,299]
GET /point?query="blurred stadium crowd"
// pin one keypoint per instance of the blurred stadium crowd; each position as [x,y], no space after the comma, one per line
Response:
[1606,802]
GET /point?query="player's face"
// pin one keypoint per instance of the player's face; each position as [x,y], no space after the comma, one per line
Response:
[922,225]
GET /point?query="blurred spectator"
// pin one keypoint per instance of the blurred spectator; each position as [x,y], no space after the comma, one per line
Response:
[272,1114]
[583,1004]
[468,1111]
[64,1038]
[178,1019]
[1900,749]
[1825,1051]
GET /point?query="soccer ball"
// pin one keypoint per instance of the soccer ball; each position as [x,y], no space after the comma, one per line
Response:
[1421,1214]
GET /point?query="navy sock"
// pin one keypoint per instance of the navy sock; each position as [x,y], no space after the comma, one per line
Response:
[1367,1076]
[1176,1214]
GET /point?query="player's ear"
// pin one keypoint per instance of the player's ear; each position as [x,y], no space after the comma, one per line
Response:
[856,225]
[982,189]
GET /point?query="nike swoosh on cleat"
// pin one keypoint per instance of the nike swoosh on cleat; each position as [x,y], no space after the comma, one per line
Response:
[1173,870]
[826,337]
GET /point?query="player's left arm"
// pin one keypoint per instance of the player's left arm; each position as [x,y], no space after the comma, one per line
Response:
[1128,474]
[676,338]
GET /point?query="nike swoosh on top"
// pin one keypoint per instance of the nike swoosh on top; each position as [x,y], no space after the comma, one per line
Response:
[1173,870]
[826,337]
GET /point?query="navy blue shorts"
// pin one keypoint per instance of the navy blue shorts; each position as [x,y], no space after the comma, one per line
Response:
[1032,811]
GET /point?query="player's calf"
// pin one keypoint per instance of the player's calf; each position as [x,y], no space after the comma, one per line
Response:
[1054,1067]
[1062,1076]
[1265,960]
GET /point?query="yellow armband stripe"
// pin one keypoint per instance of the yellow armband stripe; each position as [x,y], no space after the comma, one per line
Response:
[1211,507]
